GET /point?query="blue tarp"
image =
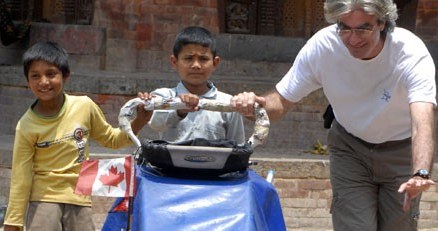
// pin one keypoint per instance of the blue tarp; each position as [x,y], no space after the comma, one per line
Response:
[165,203]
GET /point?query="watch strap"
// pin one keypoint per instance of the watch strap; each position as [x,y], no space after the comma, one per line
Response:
[423,173]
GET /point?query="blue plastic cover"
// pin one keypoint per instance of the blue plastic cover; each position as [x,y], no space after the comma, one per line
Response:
[164,203]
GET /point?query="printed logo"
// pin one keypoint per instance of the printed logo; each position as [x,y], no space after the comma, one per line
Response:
[201,159]
[386,95]
[78,135]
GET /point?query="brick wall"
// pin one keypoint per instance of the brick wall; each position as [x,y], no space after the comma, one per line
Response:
[305,191]
[141,33]
[427,20]
[300,128]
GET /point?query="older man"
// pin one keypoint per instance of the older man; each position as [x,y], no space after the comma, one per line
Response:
[380,81]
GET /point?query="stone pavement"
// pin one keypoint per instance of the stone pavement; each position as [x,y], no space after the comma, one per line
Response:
[433,229]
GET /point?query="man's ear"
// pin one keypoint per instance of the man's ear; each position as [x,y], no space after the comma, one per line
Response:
[382,26]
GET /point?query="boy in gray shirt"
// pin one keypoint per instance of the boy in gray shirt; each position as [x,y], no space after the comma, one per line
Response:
[194,58]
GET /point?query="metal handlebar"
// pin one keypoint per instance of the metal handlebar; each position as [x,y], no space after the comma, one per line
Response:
[127,113]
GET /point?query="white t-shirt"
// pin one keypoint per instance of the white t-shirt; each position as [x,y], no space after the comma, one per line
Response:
[370,98]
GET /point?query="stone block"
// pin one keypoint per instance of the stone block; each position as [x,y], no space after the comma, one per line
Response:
[84,62]
[154,62]
[5,178]
[121,55]
[76,39]
[12,76]
[252,47]
[12,55]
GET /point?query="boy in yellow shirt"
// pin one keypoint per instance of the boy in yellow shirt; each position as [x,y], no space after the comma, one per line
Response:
[51,142]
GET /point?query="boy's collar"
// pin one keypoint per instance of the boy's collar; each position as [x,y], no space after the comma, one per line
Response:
[210,94]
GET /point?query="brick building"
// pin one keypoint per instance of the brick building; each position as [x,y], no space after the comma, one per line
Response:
[120,47]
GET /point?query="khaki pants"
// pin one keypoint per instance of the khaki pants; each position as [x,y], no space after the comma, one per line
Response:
[365,178]
[59,217]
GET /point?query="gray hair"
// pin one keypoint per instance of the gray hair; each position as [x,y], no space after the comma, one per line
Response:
[385,10]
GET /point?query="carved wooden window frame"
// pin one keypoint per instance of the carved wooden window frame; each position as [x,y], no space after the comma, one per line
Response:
[55,11]
[291,18]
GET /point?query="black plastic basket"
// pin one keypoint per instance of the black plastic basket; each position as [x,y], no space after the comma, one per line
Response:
[197,157]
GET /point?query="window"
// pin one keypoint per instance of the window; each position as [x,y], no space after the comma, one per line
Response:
[407,11]
[291,18]
[19,9]
[54,11]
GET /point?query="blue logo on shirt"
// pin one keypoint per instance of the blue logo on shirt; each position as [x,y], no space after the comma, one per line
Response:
[386,95]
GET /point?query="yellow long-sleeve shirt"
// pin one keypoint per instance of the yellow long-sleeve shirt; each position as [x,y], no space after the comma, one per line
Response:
[48,152]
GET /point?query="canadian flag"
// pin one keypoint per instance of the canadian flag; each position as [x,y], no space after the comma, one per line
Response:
[107,177]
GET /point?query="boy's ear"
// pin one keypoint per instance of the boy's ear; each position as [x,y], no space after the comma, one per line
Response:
[216,61]
[173,60]
[66,77]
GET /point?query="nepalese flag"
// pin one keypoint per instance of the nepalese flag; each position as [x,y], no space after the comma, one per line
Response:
[107,177]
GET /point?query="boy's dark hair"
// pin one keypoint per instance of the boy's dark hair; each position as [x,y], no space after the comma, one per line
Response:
[50,52]
[194,35]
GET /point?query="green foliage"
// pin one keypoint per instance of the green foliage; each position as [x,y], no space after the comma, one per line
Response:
[318,149]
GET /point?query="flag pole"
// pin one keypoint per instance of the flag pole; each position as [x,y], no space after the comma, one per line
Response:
[131,193]
[130,202]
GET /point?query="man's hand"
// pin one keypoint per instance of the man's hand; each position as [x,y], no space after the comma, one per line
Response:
[244,103]
[412,188]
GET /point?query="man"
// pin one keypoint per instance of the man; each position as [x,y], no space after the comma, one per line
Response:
[380,81]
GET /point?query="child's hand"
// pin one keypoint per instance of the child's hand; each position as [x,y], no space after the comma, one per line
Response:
[191,101]
[144,95]
[143,116]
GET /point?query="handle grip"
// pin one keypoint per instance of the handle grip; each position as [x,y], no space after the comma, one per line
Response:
[127,113]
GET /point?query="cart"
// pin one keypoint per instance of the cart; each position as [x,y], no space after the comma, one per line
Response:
[198,184]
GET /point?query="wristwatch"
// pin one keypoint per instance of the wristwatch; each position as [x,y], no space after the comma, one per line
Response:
[423,173]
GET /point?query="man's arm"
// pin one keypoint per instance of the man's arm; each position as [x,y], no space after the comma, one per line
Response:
[276,105]
[423,149]
[423,135]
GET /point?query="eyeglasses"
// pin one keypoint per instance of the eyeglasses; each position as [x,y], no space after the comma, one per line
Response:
[360,32]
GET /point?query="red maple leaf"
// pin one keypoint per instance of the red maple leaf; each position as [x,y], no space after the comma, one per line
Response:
[122,206]
[113,178]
